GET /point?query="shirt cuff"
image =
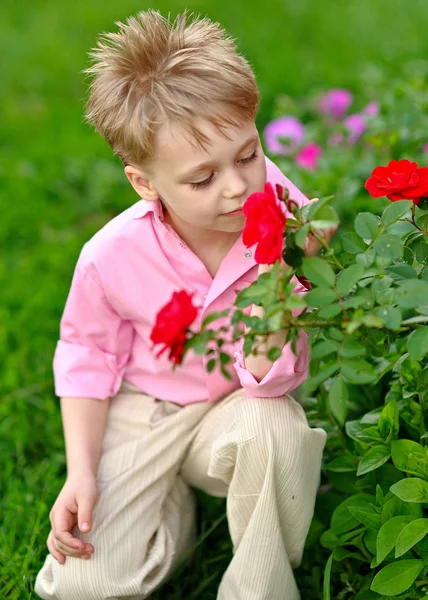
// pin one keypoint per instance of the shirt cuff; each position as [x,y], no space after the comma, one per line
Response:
[286,373]
[85,372]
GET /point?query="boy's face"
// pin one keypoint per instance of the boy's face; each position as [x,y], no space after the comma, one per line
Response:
[198,187]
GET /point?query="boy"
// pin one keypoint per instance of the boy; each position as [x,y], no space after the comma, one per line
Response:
[177,104]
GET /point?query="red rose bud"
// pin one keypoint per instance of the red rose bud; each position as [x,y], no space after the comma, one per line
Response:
[400,180]
[172,322]
[265,224]
[290,203]
[279,191]
[304,282]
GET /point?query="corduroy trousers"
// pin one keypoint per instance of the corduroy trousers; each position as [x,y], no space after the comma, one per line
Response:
[260,453]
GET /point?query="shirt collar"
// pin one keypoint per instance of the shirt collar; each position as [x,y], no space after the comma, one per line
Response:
[143,207]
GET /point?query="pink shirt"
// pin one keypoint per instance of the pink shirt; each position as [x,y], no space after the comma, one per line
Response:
[124,275]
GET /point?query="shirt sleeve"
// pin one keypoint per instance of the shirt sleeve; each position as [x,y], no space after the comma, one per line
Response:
[95,342]
[286,373]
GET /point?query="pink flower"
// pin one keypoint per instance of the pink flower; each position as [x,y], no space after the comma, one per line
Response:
[371,109]
[335,103]
[288,128]
[308,156]
[356,125]
[426,148]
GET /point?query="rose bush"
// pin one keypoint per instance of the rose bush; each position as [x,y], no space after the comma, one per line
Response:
[366,316]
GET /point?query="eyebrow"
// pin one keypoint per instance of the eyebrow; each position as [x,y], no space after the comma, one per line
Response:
[207,164]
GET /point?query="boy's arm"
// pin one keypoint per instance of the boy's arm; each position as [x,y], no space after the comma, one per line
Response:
[84,421]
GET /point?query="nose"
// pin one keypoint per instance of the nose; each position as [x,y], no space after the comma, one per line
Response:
[236,186]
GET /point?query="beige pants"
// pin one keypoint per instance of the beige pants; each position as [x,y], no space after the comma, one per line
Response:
[259,452]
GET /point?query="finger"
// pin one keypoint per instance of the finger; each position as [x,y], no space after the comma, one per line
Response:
[58,556]
[66,540]
[85,508]
[62,524]
[77,553]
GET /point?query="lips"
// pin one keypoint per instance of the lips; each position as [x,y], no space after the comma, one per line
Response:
[233,211]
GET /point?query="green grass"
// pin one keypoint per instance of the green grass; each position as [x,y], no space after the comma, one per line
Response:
[59,183]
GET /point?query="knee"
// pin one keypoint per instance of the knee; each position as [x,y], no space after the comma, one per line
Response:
[281,427]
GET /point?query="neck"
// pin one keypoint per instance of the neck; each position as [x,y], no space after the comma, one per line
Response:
[204,240]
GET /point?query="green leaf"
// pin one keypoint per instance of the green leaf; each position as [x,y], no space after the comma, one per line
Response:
[342,520]
[301,235]
[397,577]
[417,343]
[348,278]
[389,246]
[343,464]
[351,349]
[390,315]
[412,489]
[326,213]
[368,435]
[367,224]
[338,397]
[366,258]
[324,348]
[323,224]
[420,249]
[401,273]
[373,459]
[224,358]
[328,312]
[394,507]
[327,575]
[357,371]
[367,516]
[379,496]
[274,353]
[395,210]
[411,535]
[412,293]
[315,380]
[389,421]
[320,297]
[352,243]
[318,271]
[388,534]
[410,457]
[210,365]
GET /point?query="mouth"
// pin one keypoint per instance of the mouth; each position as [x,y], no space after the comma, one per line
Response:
[233,213]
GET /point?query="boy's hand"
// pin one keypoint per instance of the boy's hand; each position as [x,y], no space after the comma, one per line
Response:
[74,505]
[312,246]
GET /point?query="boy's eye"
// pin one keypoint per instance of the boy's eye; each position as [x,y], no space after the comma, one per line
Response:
[200,184]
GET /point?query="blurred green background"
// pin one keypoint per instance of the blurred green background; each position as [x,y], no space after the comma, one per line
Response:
[59,183]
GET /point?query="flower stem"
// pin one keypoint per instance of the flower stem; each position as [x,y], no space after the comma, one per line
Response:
[323,243]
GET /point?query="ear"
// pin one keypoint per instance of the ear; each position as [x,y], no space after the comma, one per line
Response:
[141,183]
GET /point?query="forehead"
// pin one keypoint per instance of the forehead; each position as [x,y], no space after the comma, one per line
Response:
[175,146]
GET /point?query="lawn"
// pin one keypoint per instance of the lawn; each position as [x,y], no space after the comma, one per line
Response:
[59,184]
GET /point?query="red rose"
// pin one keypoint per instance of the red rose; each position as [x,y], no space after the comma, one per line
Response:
[171,325]
[265,225]
[400,180]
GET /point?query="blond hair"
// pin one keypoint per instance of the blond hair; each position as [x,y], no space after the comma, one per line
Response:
[153,72]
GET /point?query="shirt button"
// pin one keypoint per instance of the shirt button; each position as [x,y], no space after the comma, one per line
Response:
[248,254]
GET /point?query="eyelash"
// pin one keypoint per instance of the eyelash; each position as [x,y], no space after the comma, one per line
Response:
[197,186]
